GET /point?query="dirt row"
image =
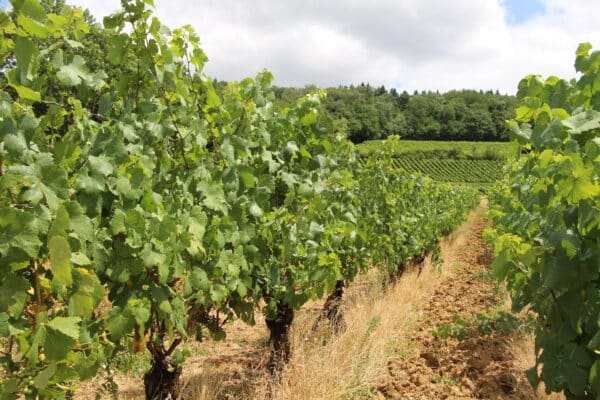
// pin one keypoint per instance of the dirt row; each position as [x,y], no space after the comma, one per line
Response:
[480,367]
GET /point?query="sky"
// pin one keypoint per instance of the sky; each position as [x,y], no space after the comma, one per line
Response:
[406,44]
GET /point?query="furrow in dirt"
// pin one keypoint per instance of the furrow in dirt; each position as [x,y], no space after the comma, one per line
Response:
[480,367]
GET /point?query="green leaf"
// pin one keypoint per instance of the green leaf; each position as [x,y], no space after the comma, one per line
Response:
[199,279]
[18,230]
[255,210]
[140,310]
[117,223]
[26,53]
[9,389]
[26,93]
[214,197]
[4,328]
[68,326]
[135,222]
[305,191]
[583,122]
[292,147]
[74,44]
[117,47]
[197,222]
[162,296]
[30,8]
[532,377]
[576,379]
[316,228]
[594,343]
[81,305]
[150,257]
[123,186]
[87,282]
[583,49]
[38,339]
[309,118]
[86,366]
[524,114]
[101,165]
[61,223]
[42,379]
[119,323]
[231,263]
[247,177]
[60,261]
[218,293]
[579,185]
[54,185]
[212,100]
[90,184]
[57,345]
[78,258]
[73,74]
[13,294]
[594,377]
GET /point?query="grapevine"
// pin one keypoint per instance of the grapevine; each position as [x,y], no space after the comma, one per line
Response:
[141,209]
[547,225]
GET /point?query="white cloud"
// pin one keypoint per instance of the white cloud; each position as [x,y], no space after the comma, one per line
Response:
[429,44]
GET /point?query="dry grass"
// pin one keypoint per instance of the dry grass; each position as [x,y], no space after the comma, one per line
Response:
[347,366]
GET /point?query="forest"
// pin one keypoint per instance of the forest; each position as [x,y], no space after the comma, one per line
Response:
[365,112]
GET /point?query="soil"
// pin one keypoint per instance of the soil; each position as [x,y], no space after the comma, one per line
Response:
[480,367]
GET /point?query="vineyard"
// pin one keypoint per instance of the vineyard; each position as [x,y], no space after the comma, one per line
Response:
[481,172]
[476,164]
[139,209]
[547,226]
[442,149]
[142,209]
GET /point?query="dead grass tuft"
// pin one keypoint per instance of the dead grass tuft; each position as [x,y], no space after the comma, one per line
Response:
[348,366]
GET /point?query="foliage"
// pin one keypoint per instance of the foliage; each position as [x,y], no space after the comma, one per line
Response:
[475,164]
[406,215]
[459,171]
[367,113]
[484,324]
[141,208]
[547,225]
[455,150]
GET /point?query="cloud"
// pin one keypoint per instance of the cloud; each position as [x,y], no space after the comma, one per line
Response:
[429,44]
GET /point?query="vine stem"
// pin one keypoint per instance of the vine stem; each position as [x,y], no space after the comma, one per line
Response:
[38,291]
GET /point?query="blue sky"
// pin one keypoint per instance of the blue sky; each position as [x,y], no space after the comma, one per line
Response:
[3,3]
[519,11]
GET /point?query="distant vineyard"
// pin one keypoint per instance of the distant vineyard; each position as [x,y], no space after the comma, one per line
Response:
[464,171]
[442,149]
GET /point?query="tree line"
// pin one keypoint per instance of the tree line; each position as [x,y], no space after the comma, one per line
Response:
[365,112]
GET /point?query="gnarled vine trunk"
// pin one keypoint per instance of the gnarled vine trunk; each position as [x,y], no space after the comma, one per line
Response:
[162,381]
[331,310]
[279,328]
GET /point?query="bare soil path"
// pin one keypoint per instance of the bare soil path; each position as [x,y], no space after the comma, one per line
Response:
[480,367]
